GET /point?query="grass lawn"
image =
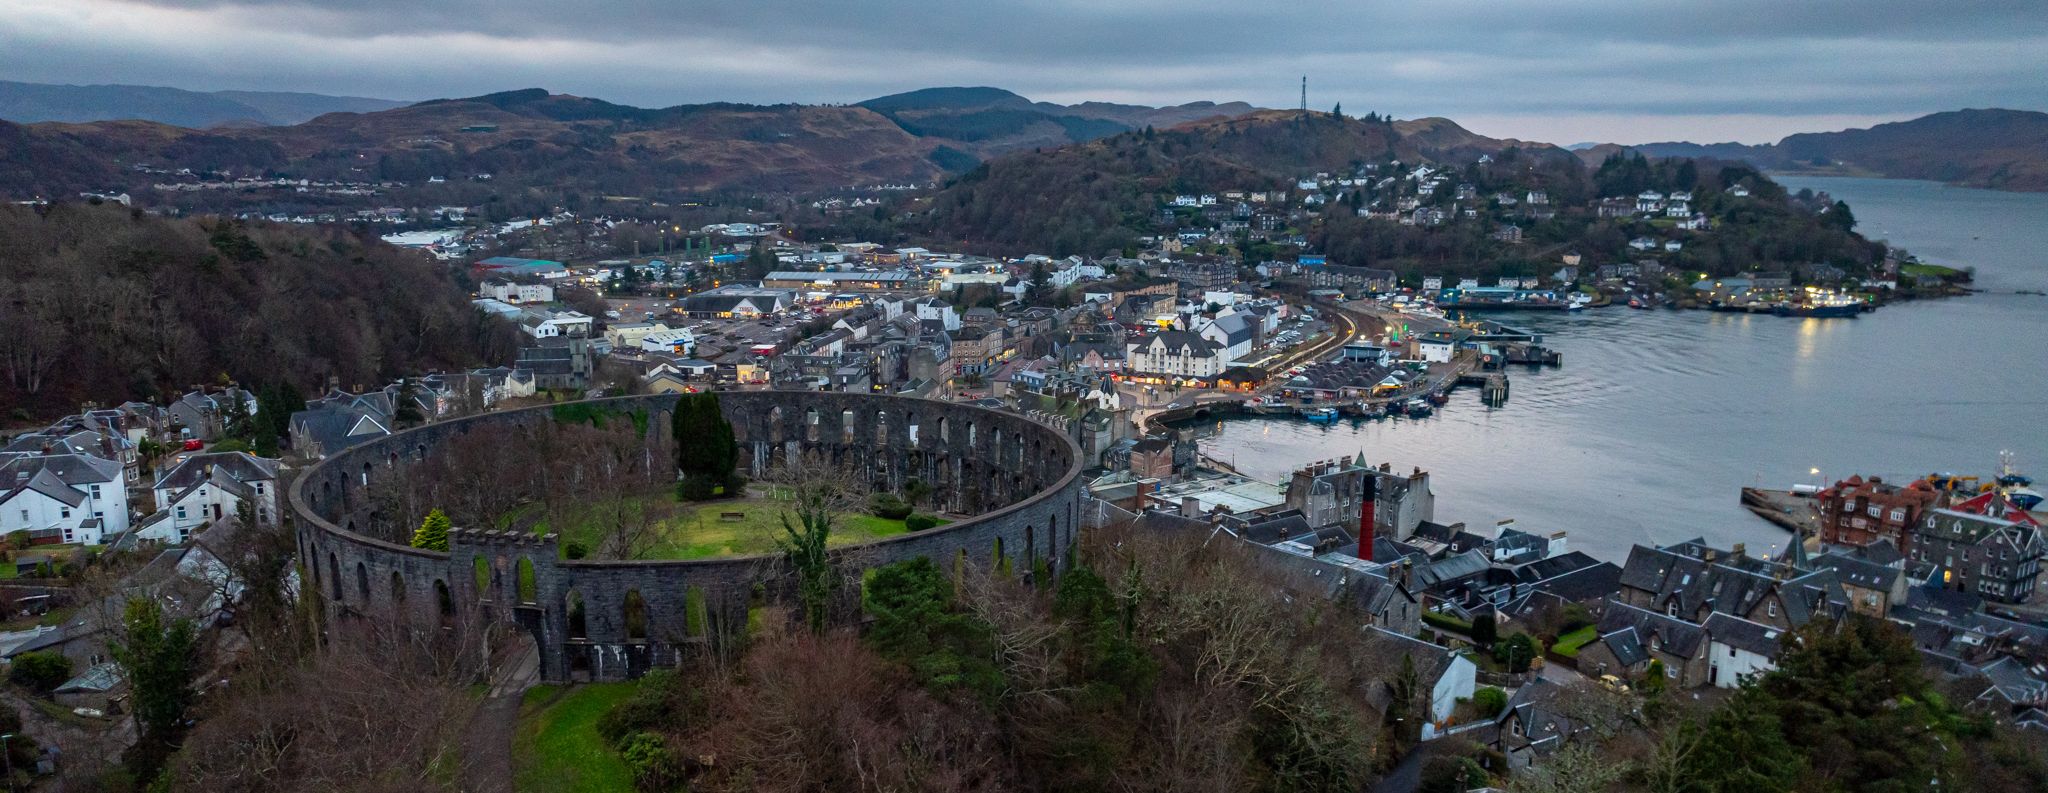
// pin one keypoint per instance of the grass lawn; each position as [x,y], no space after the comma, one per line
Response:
[700,531]
[557,747]
[1928,269]
[1568,645]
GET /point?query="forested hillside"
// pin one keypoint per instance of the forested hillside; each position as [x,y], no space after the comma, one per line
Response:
[1098,196]
[106,304]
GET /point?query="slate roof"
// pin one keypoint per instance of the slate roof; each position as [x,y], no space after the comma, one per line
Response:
[1857,572]
[1742,634]
[70,469]
[1673,635]
[216,466]
[1626,646]
[1730,583]
[1585,584]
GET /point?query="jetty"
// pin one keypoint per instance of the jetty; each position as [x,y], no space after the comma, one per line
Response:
[1784,509]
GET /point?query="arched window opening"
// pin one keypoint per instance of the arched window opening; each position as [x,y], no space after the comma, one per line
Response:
[483,579]
[635,616]
[334,576]
[363,582]
[397,591]
[696,617]
[811,422]
[579,622]
[529,589]
[846,426]
[443,602]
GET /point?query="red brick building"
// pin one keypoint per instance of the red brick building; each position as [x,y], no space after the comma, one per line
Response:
[1858,511]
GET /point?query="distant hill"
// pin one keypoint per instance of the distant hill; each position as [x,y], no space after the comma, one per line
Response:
[1996,149]
[566,150]
[982,122]
[1097,196]
[29,103]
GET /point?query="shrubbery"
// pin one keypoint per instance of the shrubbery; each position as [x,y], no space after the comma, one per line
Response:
[1490,701]
[889,505]
[653,764]
[40,671]
[920,522]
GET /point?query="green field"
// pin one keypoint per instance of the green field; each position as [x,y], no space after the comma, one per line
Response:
[557,747]
[1568,645]
[701,531]
[1929,269]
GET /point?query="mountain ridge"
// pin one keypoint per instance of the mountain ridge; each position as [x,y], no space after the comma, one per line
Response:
[1993,148]
[28,103]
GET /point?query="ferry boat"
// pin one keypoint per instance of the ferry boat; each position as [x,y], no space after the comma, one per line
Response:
[1321,416]
[1821,303]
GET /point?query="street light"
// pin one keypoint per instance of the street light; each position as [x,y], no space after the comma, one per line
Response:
[8,756]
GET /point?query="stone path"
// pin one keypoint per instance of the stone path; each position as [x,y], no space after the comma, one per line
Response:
[487,744]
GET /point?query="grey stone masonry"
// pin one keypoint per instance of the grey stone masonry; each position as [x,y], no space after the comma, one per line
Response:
[608,620]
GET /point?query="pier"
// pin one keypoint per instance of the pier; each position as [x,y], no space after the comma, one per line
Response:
[1783,509]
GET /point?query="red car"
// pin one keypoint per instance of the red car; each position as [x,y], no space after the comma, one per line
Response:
[194,445]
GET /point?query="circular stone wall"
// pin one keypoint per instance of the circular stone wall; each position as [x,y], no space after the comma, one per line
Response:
[1019,479]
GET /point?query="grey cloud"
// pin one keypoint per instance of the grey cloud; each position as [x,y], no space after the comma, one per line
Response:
[1518,58]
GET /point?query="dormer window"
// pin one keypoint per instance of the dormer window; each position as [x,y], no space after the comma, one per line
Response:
[1771,608]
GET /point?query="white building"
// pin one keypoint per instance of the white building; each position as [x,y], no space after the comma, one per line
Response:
[544,324]
[1450,676]
[518,293]
[1073,270]
[1738,648]
[932,309]
[627,335]
[670,341]
[1436,348]
[1175,354]
[1231,331]
[206,488]
[78,498]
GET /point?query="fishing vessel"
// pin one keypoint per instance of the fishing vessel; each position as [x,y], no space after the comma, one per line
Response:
[1321,415]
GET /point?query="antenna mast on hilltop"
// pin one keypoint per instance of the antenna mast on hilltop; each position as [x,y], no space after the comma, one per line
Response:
[1304,93]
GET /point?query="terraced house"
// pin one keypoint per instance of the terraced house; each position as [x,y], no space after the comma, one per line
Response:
[1996,558]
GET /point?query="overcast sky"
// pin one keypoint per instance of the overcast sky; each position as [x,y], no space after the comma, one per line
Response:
[1552,70]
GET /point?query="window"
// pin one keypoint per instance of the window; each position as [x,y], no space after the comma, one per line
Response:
[1898,514]
[24,516]
[1771,608]
[95,491]
[64,512]
[1874,510]
[1671,672]
[181,513]
[259,488]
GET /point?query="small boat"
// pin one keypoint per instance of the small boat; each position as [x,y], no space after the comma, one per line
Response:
[1439,398]
[1579,302]
[1418,408]
[1321,416]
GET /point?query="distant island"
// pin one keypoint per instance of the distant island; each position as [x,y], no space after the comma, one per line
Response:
[1993,149]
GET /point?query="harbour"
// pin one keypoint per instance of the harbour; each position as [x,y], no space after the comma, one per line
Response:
[1679,410]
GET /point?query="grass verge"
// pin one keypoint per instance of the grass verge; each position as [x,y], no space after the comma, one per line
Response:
[557,747]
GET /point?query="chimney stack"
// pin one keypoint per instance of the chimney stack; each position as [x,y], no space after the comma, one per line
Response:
[1365,516]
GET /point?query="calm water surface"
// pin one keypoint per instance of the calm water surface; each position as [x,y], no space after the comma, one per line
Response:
[1658,417]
